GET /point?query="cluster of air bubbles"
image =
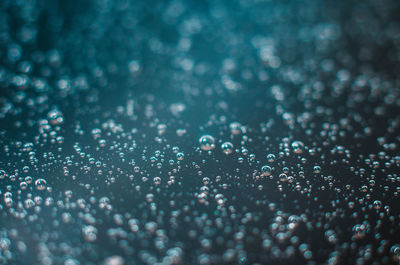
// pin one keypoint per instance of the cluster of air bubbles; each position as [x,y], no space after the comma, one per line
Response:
[237,132]
[55,117]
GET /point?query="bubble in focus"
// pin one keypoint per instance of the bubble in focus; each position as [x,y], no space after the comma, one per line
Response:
[207,142]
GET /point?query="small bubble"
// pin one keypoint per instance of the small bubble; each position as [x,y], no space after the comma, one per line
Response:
[55,117]
[227,148]
[207,142]
[298,147]
[40,184]
[271,158]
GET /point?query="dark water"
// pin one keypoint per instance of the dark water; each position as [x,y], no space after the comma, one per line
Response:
[199,132]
